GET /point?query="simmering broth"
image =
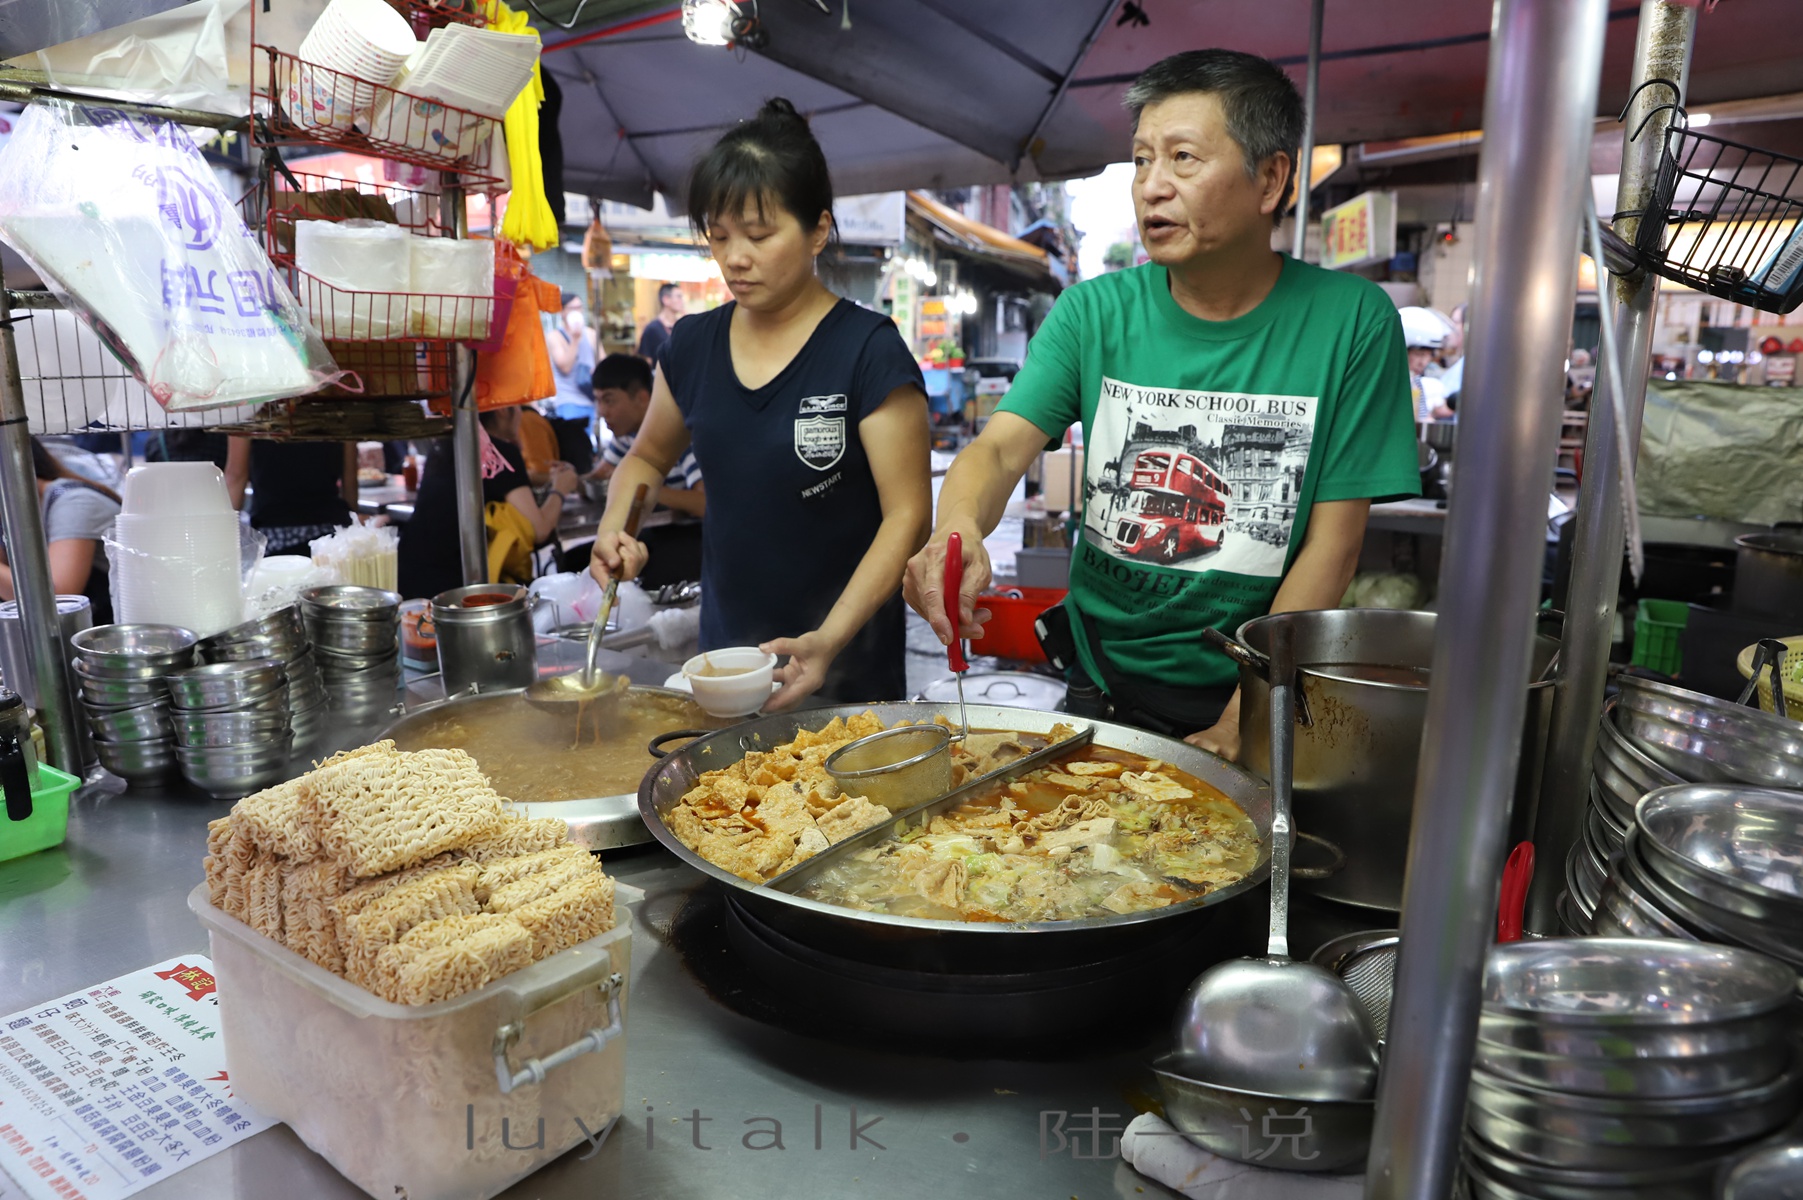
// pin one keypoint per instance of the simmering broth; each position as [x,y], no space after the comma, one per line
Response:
[532,755]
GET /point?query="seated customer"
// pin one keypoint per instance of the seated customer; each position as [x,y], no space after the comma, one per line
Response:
[672,531]
[430,558]
[77,515]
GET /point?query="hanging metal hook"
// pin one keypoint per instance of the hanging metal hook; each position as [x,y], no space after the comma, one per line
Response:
[1676,104]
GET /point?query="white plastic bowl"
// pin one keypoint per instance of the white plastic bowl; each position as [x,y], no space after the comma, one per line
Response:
[175,490]
[736,695]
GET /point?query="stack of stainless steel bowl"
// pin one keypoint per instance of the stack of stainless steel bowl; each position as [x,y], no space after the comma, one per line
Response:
[231,725]
[1620,775]
[281,636]
[356,640]
[1625,1067]
[1714,863]
[1701,739]
[120,669]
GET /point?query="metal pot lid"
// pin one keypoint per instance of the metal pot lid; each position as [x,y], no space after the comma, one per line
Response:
[1010,689]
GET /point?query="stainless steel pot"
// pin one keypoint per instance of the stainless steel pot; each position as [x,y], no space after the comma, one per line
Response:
[1357,746]
[73,614]
[1768,574]
[946,946]
[597,822]
[490,646]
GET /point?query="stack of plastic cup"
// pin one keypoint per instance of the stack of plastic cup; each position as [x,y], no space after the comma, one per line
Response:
[354,45]
[175,550]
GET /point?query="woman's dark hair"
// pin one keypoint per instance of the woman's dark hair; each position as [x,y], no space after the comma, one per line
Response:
[49,468]
[772,157]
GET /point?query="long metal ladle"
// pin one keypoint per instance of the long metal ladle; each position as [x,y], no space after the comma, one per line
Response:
[1272,1025]
[576,688]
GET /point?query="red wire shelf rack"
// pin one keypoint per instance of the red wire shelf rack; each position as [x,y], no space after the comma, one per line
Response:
[314,104]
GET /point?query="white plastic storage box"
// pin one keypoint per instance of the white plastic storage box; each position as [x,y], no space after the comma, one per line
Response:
[407,1100]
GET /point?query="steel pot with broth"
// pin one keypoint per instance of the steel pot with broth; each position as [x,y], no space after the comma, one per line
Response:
[1364,676]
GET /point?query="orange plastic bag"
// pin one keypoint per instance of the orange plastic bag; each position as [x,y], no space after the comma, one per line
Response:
[520,371]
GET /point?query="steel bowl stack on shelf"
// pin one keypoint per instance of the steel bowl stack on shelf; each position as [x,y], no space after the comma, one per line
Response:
[231,725]
[356,640]
[1714,863]
[120,669]
[1631,1068]
[281,636]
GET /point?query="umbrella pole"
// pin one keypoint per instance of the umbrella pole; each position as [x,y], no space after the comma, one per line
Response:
[1532,175]
[1303,170]
[1662,51]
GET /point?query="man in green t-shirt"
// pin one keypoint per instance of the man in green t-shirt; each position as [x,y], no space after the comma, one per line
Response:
[1241,410]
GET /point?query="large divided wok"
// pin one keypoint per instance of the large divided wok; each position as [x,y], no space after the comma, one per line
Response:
[947,946]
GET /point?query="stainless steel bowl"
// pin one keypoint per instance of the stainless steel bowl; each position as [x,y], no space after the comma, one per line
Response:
[145,676]
[1331,1135]
[230,729]
[227,775]
[1582,878]
[1504,1175]
[356,641]
[225,685]
[1612,1044]
[1706,740]
[112,694]
[348,601]
[144,723]
[1710,921]
[1623,912]
[1643,1121]
[283,622]
[1603,826]
[279,647]
[112,648]
[139,762]
[1573,920]
[1652,1078]
[1525,1142]
[1630,982]
[1768,1173]
[1738,847]
[1641,773]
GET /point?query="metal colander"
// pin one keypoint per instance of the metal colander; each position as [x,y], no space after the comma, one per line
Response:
[1367,962]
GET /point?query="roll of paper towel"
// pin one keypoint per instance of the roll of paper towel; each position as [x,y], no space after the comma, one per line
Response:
[453,281]
[358,268]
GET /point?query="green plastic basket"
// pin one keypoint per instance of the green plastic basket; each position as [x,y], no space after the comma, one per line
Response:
[49,820]
[1658,626]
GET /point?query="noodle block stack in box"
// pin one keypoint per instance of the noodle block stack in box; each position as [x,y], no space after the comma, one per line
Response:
[390,937]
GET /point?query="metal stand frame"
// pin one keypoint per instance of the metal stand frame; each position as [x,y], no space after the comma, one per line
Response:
[1532,178]
[1662,51]
[29,555]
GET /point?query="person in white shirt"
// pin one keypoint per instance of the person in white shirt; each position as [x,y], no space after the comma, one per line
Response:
[1425,331]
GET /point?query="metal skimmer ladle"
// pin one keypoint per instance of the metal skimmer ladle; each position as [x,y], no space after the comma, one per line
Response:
[590,684]
[954,649]
[1275,1026]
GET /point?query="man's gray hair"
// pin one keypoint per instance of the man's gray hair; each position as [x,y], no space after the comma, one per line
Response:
[1262,107]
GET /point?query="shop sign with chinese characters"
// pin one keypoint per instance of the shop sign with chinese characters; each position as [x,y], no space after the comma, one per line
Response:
[1359,232]
[115,1087]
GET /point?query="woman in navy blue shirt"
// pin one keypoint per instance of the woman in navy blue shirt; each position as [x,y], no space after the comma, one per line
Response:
[808,417]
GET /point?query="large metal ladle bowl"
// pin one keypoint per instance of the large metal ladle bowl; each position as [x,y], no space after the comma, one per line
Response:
[1273,1025]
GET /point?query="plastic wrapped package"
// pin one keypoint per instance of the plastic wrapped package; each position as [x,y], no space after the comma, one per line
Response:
[122,217]
[352,275]
[1703,443]
[179,57]
[365,555]
[453,284]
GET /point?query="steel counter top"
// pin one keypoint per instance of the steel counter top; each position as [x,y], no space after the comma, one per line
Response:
[113,898]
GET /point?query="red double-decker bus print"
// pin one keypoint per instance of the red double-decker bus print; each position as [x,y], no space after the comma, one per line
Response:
[1177,507]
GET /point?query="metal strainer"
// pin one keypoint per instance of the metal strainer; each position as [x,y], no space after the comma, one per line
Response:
[1366,960]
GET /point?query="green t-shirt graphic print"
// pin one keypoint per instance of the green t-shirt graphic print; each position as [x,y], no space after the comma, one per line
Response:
[1207,443]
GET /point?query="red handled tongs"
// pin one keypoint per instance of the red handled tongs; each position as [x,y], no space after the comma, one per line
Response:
[954,650]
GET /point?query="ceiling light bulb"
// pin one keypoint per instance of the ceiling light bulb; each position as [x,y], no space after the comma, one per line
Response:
[709,22]
[1698,119]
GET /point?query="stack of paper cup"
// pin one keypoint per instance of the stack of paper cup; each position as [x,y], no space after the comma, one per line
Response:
[355,44]
[363,267]
[175,550]
[453,286]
